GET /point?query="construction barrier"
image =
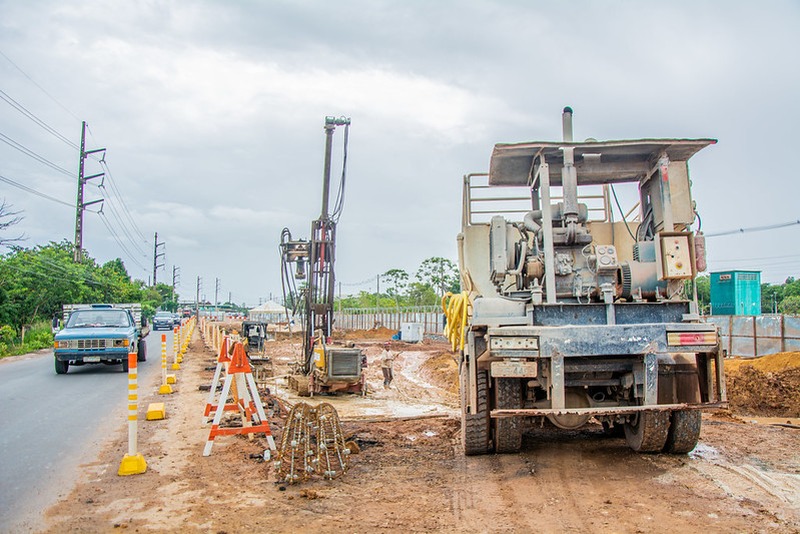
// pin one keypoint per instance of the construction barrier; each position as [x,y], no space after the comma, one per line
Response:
[165,388]
[222,360]
[245,396]
[132,463]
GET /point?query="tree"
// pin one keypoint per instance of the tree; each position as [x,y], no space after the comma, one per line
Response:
[8,219]
[440,274]
[790,305]
[396,281]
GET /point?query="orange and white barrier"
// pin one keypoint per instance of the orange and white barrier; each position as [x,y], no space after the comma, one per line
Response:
[247,400]
[132,463]
[222,360]
[165,388]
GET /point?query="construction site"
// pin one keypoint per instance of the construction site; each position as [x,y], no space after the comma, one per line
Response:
[575,379]
[407,471]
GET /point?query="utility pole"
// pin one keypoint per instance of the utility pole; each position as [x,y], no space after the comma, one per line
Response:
[216,297]
[197,300]
[176,277]
[80,205]
[156,255]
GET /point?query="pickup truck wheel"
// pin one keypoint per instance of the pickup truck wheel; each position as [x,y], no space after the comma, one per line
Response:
[475,426]
[647,431]
[141,351]
[125,365]
[61,367]
[507,430]
[684,431]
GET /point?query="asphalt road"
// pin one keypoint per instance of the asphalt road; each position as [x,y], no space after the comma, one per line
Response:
[52,425]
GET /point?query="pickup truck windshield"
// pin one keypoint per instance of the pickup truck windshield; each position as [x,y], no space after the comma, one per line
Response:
[98,318]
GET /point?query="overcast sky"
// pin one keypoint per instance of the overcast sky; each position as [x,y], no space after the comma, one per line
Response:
[212,114]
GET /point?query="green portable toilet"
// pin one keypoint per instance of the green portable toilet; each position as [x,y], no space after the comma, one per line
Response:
[736,293]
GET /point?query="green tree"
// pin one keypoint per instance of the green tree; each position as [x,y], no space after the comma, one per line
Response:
[396,281]
[440,274]
[790,305]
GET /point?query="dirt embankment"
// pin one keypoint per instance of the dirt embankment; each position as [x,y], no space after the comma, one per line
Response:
[766,386]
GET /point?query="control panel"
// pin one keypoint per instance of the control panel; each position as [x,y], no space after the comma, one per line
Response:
[675,251]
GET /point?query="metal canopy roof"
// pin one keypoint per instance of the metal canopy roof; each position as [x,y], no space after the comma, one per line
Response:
[618,161]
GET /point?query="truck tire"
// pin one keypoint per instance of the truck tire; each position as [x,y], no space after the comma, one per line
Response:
[507,430]
[684,431]
[647,431]
[124,365]
[141,351]
[61,367]
[475,426]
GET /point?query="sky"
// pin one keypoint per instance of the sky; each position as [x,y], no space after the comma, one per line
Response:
[212,114]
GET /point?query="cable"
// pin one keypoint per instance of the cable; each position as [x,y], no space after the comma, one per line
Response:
[126,210]
[622,213]
[339,203]
[28,152]
[34,191]
[754,229]
[119,242]
[39,86]
[22,109]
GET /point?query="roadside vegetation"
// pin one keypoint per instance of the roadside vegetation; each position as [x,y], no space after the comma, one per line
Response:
[396,288]
[36,282]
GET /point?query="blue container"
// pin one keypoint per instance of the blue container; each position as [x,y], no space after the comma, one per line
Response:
[736,293]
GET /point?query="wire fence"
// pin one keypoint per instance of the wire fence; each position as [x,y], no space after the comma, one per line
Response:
[430,317]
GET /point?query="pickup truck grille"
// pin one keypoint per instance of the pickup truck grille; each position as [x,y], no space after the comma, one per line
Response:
[91,343]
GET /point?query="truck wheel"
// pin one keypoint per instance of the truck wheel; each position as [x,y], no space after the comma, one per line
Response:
[647,431]
[61,367]
[475,426]
[684,431]
[141,351]
[507,430]
[124,365]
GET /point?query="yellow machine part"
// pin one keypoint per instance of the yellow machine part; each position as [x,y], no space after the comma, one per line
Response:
[456,310]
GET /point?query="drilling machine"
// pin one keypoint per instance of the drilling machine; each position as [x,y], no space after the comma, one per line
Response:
[571,315]
[321,368]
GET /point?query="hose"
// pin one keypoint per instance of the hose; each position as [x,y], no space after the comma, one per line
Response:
[456,311]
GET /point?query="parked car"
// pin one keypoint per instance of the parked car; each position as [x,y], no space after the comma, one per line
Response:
[163,320]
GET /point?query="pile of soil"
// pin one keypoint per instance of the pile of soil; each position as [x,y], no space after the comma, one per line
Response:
[441,369]
[766,386]
[376,333]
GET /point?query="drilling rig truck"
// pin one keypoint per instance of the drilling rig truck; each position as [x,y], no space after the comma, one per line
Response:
[322,368]
[573,312]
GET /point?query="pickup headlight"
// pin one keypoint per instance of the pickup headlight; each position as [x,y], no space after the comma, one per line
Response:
[61,344]
[122,342]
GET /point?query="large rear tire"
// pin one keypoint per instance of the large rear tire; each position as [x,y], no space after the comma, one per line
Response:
[507,430]
[61,367]
[684,431]
[141,351]
[647,431]
[124,365]
[475,425]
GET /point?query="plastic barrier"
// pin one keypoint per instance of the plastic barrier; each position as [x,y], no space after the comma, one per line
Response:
[132,463]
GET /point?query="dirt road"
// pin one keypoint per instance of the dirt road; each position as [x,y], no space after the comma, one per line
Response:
[411,477]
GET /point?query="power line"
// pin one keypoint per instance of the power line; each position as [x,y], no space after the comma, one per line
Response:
[22,109]
[116,191]
[28,152]
[119,242]
[754,229]
[34,191]
[39,86]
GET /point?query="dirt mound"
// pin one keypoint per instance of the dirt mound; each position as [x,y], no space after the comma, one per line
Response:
[375,333]
[765,386]
[441,369]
